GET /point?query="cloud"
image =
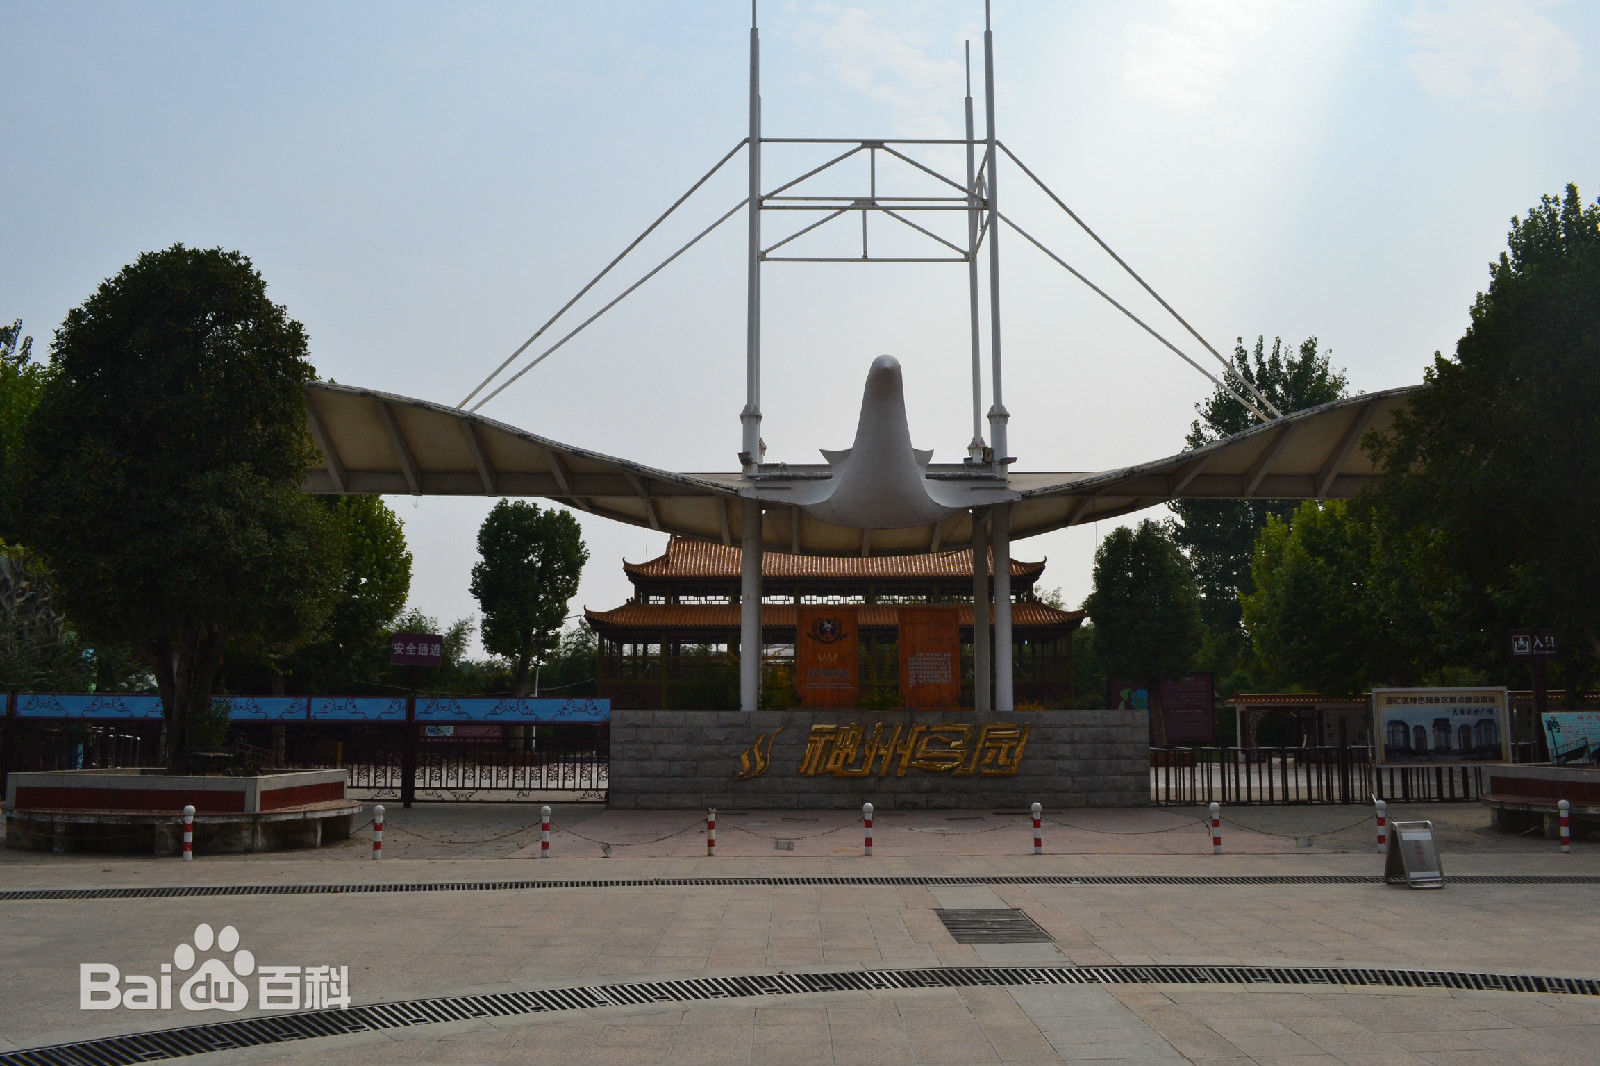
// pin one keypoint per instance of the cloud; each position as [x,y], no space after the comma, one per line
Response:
[890,65]
[1506,56]
[1188,57]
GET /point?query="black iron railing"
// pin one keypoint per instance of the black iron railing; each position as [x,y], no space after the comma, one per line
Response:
[1181,776]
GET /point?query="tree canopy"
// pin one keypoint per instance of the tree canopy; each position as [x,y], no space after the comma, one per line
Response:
[1219,535]
[1144,606]
[349,653]
[529,570]
[1497,461]
[20,382]
[160,474]
[1336,606]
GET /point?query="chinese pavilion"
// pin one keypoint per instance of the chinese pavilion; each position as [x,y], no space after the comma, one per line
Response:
[675,642]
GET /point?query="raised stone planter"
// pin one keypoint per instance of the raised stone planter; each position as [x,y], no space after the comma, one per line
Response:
[141,810]
[1525,796]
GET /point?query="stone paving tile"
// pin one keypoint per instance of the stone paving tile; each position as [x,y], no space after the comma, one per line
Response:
[415,944]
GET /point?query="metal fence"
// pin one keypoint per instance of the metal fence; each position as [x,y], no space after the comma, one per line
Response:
[1328,775]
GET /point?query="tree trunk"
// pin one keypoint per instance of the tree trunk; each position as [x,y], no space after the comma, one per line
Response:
[519,679]
[185,669]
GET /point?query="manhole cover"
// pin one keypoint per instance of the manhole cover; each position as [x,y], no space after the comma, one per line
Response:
[992,926]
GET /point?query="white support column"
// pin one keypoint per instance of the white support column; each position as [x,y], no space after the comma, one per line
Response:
[750,607]
[1004,694]
[976,446]
[750,417]
[982,672]
[998,415]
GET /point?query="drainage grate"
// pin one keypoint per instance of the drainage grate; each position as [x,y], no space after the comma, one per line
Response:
[402,1014]
[992,925]
[187,891]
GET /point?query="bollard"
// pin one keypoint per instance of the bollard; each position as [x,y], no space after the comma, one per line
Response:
[188,832]
[544,832]
[1566,827]
[711,831]
[1216,829]
[1383,825]
[866,818]
[1038,838]
[377,831]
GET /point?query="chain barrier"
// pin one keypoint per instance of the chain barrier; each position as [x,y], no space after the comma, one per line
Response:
[799,836]
[391,827]
[1368,820]
[950,832]
[1187,823]
[698,824]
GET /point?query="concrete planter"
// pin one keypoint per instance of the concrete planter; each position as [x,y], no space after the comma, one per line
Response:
[141,810]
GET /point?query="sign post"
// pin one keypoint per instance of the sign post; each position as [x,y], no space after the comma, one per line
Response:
[413,650]
[1413,857]
[1535,646]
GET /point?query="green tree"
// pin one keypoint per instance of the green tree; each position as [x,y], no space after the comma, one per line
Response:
[160,473]
[1337,606]
[39,650]
[1497,461]
[20,382]
[1144,605]
[350,652]
[1219,536]
[529,570]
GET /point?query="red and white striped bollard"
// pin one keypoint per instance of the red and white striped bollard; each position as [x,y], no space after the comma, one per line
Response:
[711,831]
[544,832]
[1383,825]
[1038,832]
[1566,827]
[377,831]
[866,819]
[1216,828]
[188,832]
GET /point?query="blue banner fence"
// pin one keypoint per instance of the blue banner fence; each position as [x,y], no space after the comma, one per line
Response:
[427,747]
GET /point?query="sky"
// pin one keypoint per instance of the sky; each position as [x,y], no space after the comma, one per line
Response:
[423,185]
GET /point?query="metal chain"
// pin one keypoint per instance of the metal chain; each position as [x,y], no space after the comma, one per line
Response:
[1309,836]
[630,844]
[1187,824]
[801,836]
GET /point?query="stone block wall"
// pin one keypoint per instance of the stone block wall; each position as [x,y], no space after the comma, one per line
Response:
[696,759]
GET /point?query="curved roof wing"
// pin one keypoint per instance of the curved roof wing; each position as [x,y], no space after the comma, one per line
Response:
[377,442]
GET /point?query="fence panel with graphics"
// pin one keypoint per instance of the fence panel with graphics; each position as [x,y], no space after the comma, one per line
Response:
[445,748]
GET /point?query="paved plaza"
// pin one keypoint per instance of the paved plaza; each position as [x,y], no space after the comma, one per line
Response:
[659,910]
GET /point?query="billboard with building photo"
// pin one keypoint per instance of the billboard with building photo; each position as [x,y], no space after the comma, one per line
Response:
[1427,726]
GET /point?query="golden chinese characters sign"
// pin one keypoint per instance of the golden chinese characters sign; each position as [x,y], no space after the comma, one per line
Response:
[930,657]
[826,653]
[961,749]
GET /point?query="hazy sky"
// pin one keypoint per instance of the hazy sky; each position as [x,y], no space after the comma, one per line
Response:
[423,184]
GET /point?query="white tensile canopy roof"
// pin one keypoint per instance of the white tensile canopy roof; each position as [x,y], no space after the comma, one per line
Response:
[375,442]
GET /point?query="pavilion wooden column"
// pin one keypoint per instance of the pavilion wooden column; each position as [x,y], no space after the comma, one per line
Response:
[981,672]
[1004,692]
[750,607]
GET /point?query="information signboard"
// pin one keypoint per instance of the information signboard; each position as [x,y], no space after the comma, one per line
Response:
[826,653]
[1413,857]
[1573,736]
[930,657]
[1430,726]
[416,649]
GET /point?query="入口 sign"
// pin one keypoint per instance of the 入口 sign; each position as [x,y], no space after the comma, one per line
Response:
[1533,644]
